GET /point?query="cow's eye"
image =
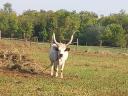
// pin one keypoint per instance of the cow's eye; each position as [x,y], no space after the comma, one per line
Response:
[56,49]
[67,49]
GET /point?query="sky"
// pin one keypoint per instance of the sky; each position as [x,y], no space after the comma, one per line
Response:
[100,7]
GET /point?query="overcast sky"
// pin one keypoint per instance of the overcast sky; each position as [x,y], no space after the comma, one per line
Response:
[104,7]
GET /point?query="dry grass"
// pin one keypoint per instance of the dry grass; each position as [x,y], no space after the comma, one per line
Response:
[86,73]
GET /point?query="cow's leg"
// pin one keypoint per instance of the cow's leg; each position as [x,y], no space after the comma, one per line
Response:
[62,67]
[56,70]
[52,69]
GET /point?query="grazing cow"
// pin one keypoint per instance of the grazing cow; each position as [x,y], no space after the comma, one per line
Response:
[58,55]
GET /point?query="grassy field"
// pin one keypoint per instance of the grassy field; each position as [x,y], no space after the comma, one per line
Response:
[89,71]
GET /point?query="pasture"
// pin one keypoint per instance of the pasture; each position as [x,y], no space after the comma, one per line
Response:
[89,71]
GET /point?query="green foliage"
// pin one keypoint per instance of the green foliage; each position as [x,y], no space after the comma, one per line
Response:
[40,23]
[25,26]
[51,24]
[7,8]
[89,28]
[91,35]
[115,35]
[3,22]
[72,24]
[13,24]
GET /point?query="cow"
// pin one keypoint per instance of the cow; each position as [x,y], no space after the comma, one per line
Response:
[58,55]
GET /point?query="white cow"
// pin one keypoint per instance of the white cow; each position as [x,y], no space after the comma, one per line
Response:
[58,55]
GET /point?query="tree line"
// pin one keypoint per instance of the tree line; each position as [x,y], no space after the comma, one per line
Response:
[90,28]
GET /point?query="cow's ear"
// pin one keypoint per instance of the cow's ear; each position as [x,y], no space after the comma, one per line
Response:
[56,49]
[67,49]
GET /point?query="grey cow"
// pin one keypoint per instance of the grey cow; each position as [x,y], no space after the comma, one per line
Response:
[58,55]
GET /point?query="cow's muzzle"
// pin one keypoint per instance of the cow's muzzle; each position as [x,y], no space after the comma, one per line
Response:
[61,55]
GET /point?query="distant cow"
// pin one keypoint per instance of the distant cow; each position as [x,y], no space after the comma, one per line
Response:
[58,55]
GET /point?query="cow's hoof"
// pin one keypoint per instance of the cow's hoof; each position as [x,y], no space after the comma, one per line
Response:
[56,76]
[61,77]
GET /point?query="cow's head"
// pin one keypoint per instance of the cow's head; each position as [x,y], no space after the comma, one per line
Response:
[61,47]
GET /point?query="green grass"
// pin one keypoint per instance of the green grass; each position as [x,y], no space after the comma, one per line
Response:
[85,74]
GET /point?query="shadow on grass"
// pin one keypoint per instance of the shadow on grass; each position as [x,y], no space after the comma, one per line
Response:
[22,73]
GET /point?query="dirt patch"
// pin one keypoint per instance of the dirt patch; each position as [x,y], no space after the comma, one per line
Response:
[15,73]
[18,62]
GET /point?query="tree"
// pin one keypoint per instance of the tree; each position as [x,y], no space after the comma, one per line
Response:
[72,24]
[8,21]
[114,35]
[7,7]
[3,23]
[51,25]
[13,25]
[60,26]
[25,26]
[92,35]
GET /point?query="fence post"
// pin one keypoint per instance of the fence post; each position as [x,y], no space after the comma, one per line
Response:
[0,34]
[37,40]
[101,43]
[86,44]
[77,44]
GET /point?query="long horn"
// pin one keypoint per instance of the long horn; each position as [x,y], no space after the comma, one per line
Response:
[54,39]
[70,39]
